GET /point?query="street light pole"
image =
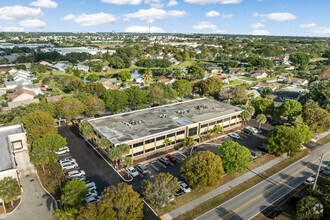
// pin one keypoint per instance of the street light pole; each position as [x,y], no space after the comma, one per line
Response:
[318,171]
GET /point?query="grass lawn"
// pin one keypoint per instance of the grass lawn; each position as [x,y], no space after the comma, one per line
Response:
[325,140]
[218,200]
[234,83]
[317,59]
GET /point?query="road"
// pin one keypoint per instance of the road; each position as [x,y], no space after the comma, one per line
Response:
[255,200]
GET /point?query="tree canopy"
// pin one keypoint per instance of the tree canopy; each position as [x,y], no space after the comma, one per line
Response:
[69,107]
[93,105]
[183,87]
[116,100]
[263,105]
[317,119]
[74,193]
[291,109]
[9,189]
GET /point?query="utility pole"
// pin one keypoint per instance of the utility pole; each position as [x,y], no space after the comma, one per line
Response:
[318,171]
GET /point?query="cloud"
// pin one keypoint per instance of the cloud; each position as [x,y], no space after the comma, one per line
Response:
[91,19]
[44,4]
[257,25]
[18,12]
[123,2]
[212,14]
[11,29]
[204,2]
[203,25]
[227,15]
[311,25]
[32,23]
[153,13]
[154,3]
[144,29]
[320,30]
[172,3]
[68,17]
[260,32]
[277,16]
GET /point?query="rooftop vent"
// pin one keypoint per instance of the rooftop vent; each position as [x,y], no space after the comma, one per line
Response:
[201,107]
[162,116]
[182,112]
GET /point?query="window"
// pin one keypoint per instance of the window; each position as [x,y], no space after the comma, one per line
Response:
[220,121]
[204,126]
[171,135]
[192,131]
[227,119]
[138,153]
[160,138]
[179,132]
[149,150]
[204,133]
[233,117]
[161,146]
[226,126]
[150,141]
[239,116]
[212,123]
[233,124]
[179,141]
[137,144]
[239,122]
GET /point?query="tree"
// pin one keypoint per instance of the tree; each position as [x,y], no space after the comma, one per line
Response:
[42,106]
[266,91]
[317,119]
[299,59]
[147,75]
[88,212]
[250,109]
[261,118]
[65,214]
[116,62]
[195,72]
[37,118]
[183,87]
[96,89]
[39,130]
[136,96]
[263,105]
[69,107]
[211,86]
[76,85]
[306,208]
[116,100]
[189,142]
[114,155]
[93,105]
[122,202]
[93,77]
[291,109]
[235,158]
[86,129]
[74,193]
[246,115]
[287,139]
[202,169]
[128,161]
[124,75]
[161,189]
[215,131]
[9,190]
[240,95]
[320,92]
[157,94]
[103,142]
[289,77]
[167,142]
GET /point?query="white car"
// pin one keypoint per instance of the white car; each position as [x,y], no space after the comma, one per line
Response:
[67,160]
[92,193]
[326,170]
[254,156]
[74,173]
[69,165]
[234,135]
[132,171]
[63,150]
[184,187]
[309,181]
[82,178]
[91,186]
[92,199]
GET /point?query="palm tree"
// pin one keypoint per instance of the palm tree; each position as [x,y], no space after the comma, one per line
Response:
[189,142]
[103,142]
[115,154]
[261,118]
[246,116]
[128,161]
[289,76]
[215,131]
[65,214]
[167,142]
[147,75]
[124,150]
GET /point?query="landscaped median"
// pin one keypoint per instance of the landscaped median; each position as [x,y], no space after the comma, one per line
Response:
[219,199]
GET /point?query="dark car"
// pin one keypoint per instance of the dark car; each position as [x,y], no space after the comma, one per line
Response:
[142,169]
[274,213]
[262,148]
[179,193]
[171,157]
[293,200]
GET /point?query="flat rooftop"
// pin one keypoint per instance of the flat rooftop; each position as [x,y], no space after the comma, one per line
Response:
[134,125]
[6,156]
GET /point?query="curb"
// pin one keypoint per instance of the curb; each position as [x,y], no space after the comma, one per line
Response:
[46,190]
[20,201]
[106,160]
[149,207]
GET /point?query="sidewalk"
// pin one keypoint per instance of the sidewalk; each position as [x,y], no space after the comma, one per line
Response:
[189,206]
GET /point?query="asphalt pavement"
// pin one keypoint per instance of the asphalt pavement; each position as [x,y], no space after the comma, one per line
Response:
[255,200]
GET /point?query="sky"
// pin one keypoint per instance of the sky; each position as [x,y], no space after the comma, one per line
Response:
[258,17]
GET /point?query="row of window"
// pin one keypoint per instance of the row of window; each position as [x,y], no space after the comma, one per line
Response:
[158,139]
[219,121]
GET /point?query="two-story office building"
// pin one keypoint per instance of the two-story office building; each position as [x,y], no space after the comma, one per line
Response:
[145,130]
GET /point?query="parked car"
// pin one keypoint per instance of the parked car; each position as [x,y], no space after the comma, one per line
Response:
[132,171]
[92,193]
[82,178]
[67,160]
[293,200]
[274,213]
[234,135]
[164,160]
[74,173]
[326,170]
[91,186]
[171,157]
[262,148]
[92,199]
[69,165]
[63,150]
[142,169]
[184,187]
[248,130]
[309,181]
[254,156]
[179,193]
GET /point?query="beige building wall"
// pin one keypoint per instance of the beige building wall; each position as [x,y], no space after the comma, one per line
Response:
[23,97]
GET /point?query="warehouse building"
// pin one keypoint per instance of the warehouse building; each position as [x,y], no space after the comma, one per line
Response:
[145,130]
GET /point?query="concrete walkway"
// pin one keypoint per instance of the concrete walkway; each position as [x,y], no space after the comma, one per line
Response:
[189,206]
[36,203]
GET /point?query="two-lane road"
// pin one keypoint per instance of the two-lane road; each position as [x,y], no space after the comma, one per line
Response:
[256,199]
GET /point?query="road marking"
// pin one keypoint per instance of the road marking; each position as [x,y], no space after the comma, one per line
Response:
[171,163]
[262,194]
[160,163]
[153,166]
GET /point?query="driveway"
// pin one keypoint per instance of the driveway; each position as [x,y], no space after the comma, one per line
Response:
[36,203]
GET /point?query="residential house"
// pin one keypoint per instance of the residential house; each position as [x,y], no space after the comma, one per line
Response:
[261,86]
[83,68]
[166,80]
[299,82]
[109,86]
[258,74]
[46,63]
[283,95]
[216,69]
[53,99]
[254,93]
[222,78]
[12,105]
[138,78]
[60,66]
[5,68]
[236,71]
[21,95]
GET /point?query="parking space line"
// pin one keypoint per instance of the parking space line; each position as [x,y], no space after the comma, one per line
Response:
[160,163]
[171,163]
[153,166]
